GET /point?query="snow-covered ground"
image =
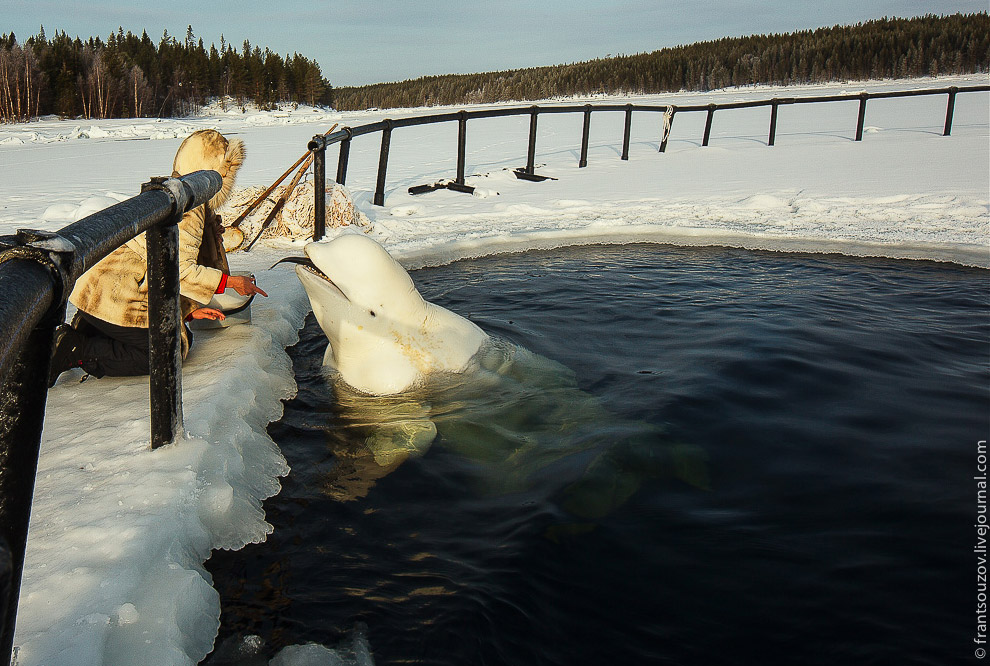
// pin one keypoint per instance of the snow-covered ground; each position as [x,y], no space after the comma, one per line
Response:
[119,533]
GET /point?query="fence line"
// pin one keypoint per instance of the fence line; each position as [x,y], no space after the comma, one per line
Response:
[37,272]
[344,136]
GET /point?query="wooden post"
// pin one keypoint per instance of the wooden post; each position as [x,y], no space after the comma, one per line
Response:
[383,163]
[667,128]
[949,111]
[708,124]
[773,122]
[531,150]
[461,146]
[345,151]
[320,192]
[585,130]
[862,116]
[627,131]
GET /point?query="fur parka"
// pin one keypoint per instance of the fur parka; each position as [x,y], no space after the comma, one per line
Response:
[116,289]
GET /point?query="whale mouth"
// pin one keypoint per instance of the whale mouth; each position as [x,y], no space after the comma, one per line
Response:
[310,267]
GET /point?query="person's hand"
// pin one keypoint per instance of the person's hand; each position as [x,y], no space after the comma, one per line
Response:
[208,313]
[244,285]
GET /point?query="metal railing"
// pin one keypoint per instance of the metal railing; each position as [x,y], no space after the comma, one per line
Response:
[344,136]
[37,272]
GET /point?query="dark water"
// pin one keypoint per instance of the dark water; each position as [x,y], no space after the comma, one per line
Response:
[830,409]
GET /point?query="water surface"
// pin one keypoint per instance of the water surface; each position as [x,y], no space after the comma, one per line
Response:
[796,440]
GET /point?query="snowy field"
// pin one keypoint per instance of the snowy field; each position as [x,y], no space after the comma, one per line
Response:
[119,534]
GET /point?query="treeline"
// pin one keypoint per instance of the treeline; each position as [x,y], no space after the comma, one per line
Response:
[129,76]
[886,48]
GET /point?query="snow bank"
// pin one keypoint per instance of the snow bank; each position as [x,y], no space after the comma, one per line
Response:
[938,228]
[119,533]
[118,130]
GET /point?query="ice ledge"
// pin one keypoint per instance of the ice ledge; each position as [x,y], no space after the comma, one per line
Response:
[415,255]
[119,533]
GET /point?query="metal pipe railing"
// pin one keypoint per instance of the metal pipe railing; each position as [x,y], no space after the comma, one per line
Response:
[37,273]
[344,136]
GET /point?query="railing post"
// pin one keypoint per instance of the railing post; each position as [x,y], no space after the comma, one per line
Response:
[668,124]
[24,394]
[585,130]
[345,152]
[461,146]
[531,151]
[862,115]
[773,122]
[164,331]
[627,131]
[320,191]
[383,163]
[708,124]
[949,110]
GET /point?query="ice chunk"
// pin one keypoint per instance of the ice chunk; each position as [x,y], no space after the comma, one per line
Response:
[60,213]
[127,614]
[356,652]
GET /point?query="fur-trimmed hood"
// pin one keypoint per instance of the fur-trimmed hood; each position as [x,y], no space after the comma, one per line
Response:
[116,288]
[208,149]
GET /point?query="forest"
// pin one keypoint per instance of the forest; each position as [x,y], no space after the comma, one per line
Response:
[886,48]
[127,76]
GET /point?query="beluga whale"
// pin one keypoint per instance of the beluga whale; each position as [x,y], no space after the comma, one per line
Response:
[384,337]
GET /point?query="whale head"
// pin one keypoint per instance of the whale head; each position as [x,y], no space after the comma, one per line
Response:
[384,337]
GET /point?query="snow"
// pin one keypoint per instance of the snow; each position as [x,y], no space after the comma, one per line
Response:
[114,571]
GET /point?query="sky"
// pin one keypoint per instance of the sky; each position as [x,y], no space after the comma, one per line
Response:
[362,41]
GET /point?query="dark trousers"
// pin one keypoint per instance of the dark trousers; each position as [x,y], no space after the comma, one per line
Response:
[117,351]
[111,350]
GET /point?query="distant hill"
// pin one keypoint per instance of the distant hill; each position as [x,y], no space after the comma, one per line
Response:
[885,48]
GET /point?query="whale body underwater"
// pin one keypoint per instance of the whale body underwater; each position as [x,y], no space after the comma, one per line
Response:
[406,373]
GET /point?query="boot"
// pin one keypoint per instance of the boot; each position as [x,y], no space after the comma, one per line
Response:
[67,355]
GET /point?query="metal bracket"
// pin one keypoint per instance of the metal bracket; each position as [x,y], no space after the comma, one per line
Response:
[522,174]
[181,197]
[52,251]
[441,185]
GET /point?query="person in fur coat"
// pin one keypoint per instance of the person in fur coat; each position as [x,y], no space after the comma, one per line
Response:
[109,334]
